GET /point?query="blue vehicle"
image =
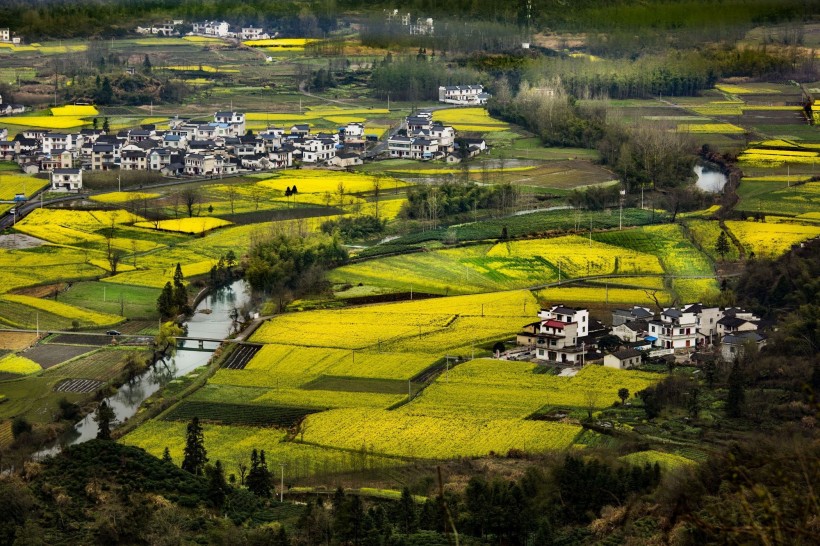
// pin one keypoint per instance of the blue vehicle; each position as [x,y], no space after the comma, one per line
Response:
[20,198]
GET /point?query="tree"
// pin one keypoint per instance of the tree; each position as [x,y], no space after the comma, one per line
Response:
[105,94]
[165,301]
[166,456]
[146,65]
[194,455]
[218,488]
[407,512]
[191,197]
[736,396]
[20,426]
[722,245]
[104,416]
[623,394]
[180,292]
[106,126]
[232,193]
[259,480]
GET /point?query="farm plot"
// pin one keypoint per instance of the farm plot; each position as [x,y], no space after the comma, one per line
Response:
[13,183]
[502,266]
[771,240]
[322,181]
[603,294]
[238,414]
[192,226]
[455,322]
[85,317]
[427,437]
[667,461]
[470,120]
[512,389]
[778,198]
[82,386]
[706,233]
[18,365]
[231,444]
[241,356]
[51,354]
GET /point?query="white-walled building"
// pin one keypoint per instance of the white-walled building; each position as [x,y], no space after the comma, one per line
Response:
[674,330]
[560,333]
[66,180]
[623,359]
[463,94]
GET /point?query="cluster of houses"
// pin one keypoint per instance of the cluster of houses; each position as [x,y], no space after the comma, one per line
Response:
[214,29]
[421,26]
[186,148]
[425,139]
[567,335]
[8,109]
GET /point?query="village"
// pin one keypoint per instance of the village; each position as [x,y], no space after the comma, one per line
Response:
[223,147]
[693,333]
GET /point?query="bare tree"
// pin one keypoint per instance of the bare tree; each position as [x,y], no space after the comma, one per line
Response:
[176,200]
[377,187]
[340,189]
[232,193]
[256,195]
[590,401]
[191,197]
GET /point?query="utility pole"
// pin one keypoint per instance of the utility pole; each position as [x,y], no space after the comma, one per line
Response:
[282,483]
[621,210]
[119,183]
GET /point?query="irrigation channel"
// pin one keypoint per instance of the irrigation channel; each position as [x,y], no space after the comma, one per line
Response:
[214,325]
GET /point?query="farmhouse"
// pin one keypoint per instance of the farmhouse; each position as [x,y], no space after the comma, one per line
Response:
[66,180]
[463,94]
[674,330]
[623,359]
[219,29]
[733,345]
[559,334]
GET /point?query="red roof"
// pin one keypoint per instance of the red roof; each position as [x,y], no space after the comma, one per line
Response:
[554,324]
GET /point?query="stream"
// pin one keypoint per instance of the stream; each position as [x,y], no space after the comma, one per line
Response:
[189,356]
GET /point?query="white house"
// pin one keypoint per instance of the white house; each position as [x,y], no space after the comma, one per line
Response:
[560,333]
[200,164]
[220,29]
[66,180]
[5,35]
[623,359]
[236,121]
[316,150]
[708,318]
[462,94]
[253,33]
[674,330]
[631,331]
[354,131]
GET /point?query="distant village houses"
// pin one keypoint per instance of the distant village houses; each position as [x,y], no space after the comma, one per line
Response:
[8,37]
[465,95]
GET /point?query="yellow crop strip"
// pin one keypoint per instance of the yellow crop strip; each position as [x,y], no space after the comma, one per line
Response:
[321,182]
[123,197]
[186,225]
[770,240]
[725,128]
[75,110]
[46,122]
[85,316]
[12,363]
[434,437]
[667,461]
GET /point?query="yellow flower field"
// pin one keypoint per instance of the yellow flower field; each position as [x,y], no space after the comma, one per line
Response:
[203,68]
[327,399]
[13,183]
[156,278]
[46,122]
[512,390]
[470,119]
[123,196]
[770,240]
[85,316]
[741,90]
[12,363]
[321,181]
[195,225]
[725,128]
[75,110]
[202,39]
[284,43]
[425,437]
[431,326]
[667,461]
[578,294]
[230,444]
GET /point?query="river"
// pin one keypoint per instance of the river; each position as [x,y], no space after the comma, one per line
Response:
[125,403]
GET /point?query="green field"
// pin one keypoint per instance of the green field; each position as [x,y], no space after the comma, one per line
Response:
[136,302]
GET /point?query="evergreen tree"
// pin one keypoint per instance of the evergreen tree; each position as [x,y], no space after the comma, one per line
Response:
[106,126]
[259,480]
[104,416]
[195,455]
[722,245]
[166,456]
[217,486]
[736,396]
[623,394]
[407,512]
[146,65]
[106,94]
[165,301]
[180,292]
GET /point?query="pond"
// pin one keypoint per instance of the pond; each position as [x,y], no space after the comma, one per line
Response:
[710,181]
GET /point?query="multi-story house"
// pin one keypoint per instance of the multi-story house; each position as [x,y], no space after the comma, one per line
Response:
[462,94]
[235,120]
[200,164]
[316,150]
[133,160]
[66,180]
[560,334]
[674,329]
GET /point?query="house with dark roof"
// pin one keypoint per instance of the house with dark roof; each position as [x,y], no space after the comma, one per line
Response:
[66,180]
[632,330]
[623,359]
[733,345]
[619,316]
